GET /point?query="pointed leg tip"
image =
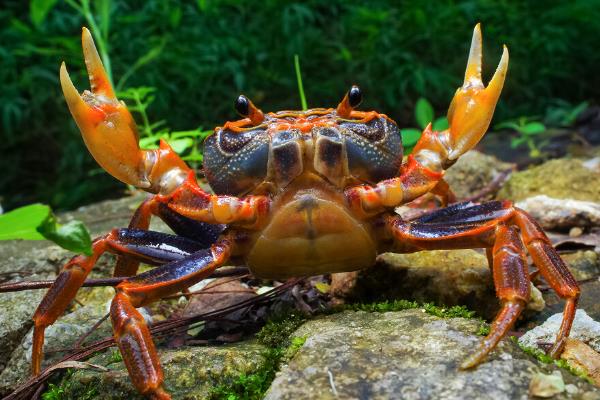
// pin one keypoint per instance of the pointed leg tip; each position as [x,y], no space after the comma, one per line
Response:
[469,363]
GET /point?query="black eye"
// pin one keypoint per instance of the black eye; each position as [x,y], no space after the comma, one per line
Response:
[242,105]
[354,96]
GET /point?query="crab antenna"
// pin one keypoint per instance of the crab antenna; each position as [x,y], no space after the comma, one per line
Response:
[351,100]
[247,109]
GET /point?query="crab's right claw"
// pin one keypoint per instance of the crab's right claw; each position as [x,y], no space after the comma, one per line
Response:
[107,127]
[473,104]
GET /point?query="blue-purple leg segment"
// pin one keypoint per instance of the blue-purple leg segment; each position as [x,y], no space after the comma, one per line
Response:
[199,232]
[139,245]
[130,330]
[506,233]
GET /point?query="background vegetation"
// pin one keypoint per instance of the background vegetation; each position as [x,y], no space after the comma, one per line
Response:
[197,56]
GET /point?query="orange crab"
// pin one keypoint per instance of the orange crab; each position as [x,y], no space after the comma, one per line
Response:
[296,193]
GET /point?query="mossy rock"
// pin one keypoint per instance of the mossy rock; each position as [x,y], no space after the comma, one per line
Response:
[559,179]
[408,354]
[190,372]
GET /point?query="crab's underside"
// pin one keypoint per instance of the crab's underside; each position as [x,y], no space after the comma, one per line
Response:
[298,193]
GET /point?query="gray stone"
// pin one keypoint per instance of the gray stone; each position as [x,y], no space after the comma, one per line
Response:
[584,328]
[58,337]
[561,214]
[447,277]
[190,372]
[407,355]
[473,172]
[15,319]
[559,179]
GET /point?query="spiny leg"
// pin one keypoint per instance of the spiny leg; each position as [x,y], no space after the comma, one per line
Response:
[492,225]
[200,232]
[554,270]
[511,280]
[139,245]
[130,330]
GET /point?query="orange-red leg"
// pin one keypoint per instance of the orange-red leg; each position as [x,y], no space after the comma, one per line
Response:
[201,232]
[130,330]
[511,280]
[137,244]
[554,270]
[507,231]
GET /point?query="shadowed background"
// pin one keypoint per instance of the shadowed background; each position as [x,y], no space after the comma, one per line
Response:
[190,59]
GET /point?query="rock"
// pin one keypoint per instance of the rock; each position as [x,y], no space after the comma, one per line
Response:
[561,214]
[583,358]
[408,355]
[190,372]
[59,336]
[546,385]
[473,172]
[584,328]
[15,319]
[558,179]
[584,264]
[447,277]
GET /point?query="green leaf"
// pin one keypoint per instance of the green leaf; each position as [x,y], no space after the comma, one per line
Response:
[38,9]
[440,124]
[532,128]
[423,112]
[23,222]
[517,141]
[572,116]
[410,136]
[72,236]
[507,125]
[36,222]
[181,145]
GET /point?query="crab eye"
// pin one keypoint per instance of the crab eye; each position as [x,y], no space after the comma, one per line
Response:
[354,96]
[246,109]
[242,105]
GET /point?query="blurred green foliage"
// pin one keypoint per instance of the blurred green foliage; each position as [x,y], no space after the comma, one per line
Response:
[199,55]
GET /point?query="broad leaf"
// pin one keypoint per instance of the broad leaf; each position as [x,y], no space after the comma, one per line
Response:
[423,112]
[533,128]
[72,236]
[440,124]
[181,145]
[23,222]
[410,136]
[36,222]
[38,9]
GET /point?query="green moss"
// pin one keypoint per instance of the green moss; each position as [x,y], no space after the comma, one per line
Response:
[546,359]
[63,391]
[115,357]
[484,330]
[277,331]
[54,392]
[277,336]
[251,386]
[399,305]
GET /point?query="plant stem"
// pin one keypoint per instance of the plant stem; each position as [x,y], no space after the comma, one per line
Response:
[299,79]
[142,110]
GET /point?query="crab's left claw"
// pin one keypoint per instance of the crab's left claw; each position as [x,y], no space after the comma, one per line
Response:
[473,105]
[110,133]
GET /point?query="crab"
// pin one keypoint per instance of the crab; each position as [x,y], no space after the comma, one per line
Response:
[296,193]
